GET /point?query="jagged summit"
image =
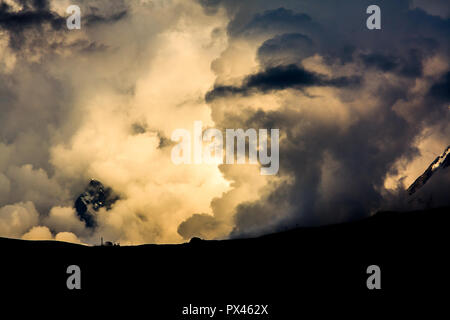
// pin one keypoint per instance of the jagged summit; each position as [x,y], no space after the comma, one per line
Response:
[95,196]
[441,162]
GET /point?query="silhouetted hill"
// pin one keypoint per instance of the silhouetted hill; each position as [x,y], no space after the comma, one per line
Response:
[387,222]
[280,269]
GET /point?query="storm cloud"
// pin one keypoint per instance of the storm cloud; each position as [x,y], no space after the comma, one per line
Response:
[355,108]
[361,113]
[279,78]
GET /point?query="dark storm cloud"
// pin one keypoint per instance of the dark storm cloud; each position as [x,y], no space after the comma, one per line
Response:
[413,64]
[28,26]
[336,26]
[190,228]
[93,19]
[409,66]
[363,155]
[280,20]
[434,7]
[34,14]
[37,12]
[288,47]
[380,61]
[441,89]
[338,174]
[282,77]
[279,78]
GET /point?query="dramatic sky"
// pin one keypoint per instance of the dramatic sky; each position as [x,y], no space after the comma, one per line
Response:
[361,112]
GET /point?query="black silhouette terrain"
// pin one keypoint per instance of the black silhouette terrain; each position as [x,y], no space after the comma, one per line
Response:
[301,268]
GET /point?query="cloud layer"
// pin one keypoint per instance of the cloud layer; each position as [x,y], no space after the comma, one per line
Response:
[361,113]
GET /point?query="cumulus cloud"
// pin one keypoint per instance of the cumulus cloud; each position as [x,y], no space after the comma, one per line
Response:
[16,219]
[359,113]
[44,233]
[338,144]
[77,100]
[38,233]
[67,237]
[64,219]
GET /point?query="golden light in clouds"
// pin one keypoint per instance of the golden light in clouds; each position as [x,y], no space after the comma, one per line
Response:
[358,115]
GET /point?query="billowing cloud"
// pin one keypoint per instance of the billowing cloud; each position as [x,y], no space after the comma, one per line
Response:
[279,78]
[67,237]
[17,219]
[71,103]
[38,233]
[340,144]
[361,113]
[64,219]
[44,233]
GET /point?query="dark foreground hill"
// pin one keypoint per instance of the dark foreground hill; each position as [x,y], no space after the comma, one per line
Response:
[290,271]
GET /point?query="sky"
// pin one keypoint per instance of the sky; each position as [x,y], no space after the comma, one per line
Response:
[361,113]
